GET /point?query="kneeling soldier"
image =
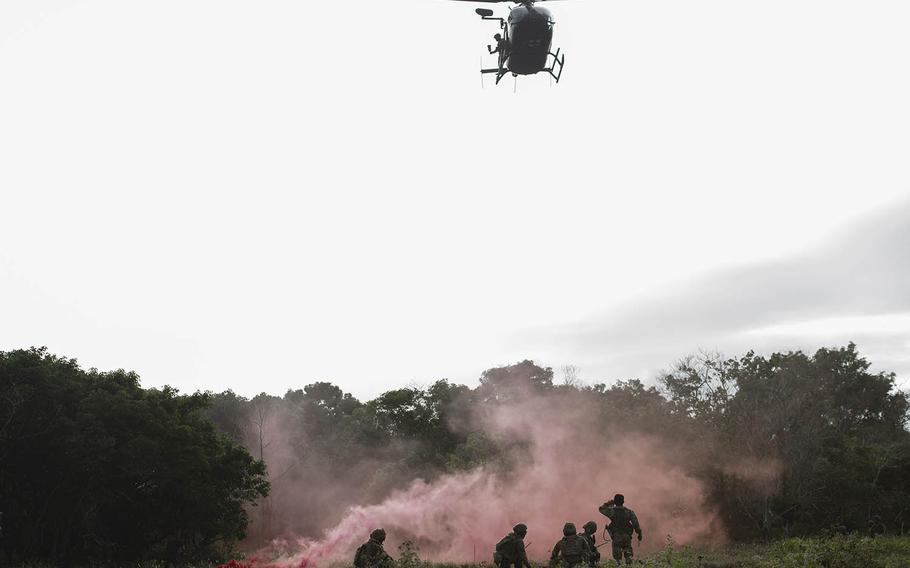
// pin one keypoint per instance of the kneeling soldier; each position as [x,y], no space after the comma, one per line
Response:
[572,550]
[371,554]
[590,536]
[510,551]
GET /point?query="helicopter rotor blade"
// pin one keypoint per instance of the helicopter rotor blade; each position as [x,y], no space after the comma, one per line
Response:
[511,1]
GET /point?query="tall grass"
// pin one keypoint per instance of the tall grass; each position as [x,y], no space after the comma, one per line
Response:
[849,551]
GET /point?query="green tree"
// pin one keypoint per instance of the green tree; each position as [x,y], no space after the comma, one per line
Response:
[97,468]
[515,381]
[837,431]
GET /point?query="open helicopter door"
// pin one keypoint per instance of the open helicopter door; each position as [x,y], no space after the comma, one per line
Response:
[486,14]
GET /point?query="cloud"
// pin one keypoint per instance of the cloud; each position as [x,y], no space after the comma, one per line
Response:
[836,293]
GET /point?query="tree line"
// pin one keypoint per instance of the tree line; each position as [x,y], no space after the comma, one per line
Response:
[94,467]
[787,444]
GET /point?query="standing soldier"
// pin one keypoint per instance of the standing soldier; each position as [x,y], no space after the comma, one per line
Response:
[622,523]
[572,549]
[371,554]
[510,551]
[590,537]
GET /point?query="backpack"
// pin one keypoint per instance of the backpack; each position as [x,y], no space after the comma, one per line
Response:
[622,522]
[573,547]
[504,550]
[358,556]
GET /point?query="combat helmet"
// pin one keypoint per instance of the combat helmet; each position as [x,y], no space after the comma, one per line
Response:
[520,528]
[590,527]
[378,535]
[569,529]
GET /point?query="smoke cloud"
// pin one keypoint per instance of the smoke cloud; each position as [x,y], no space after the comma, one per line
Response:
[561,465]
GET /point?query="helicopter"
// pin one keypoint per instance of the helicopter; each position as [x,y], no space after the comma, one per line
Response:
[525,48]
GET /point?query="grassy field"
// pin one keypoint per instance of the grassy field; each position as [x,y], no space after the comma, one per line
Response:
[831,552]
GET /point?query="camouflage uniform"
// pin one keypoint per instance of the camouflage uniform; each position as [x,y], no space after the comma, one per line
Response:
[622,523]
[371,554]
[571,550]
[510,551]
[590,536]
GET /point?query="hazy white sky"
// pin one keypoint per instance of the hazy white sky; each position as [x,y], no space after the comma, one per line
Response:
[257,195]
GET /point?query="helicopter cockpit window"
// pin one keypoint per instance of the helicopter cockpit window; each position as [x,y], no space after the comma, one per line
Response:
[546,14]
[518,15]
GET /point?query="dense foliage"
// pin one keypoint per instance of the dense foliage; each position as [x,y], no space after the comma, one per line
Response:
[93,466]
[788,444]
[836,432]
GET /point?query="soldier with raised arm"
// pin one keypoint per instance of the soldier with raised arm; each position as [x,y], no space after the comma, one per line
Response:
[623,523]
[502,45]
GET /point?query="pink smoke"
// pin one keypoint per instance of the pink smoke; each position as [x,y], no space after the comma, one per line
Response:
[563,467]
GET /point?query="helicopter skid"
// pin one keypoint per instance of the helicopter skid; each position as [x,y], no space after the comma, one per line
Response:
[555,69]
[500,73]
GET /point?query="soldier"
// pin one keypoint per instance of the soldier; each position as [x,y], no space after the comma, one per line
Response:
[510,551]
[590,537]
[572,549]
[622,523]
[502,45]
[371,554]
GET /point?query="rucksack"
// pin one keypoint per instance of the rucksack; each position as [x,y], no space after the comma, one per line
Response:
[358,556]
[573,547]
[622,521]
[505,550]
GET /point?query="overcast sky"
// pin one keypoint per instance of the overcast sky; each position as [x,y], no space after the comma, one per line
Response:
[258,195]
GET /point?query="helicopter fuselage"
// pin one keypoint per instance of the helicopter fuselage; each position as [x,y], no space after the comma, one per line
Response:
[525,49]
[529,31]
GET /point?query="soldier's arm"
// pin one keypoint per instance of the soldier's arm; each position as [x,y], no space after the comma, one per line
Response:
[635,526]
[607,509]
[375,555]
[554,556]
[522,555]
[382,557]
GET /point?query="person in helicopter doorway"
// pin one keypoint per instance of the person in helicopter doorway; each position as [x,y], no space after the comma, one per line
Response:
[502,45]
